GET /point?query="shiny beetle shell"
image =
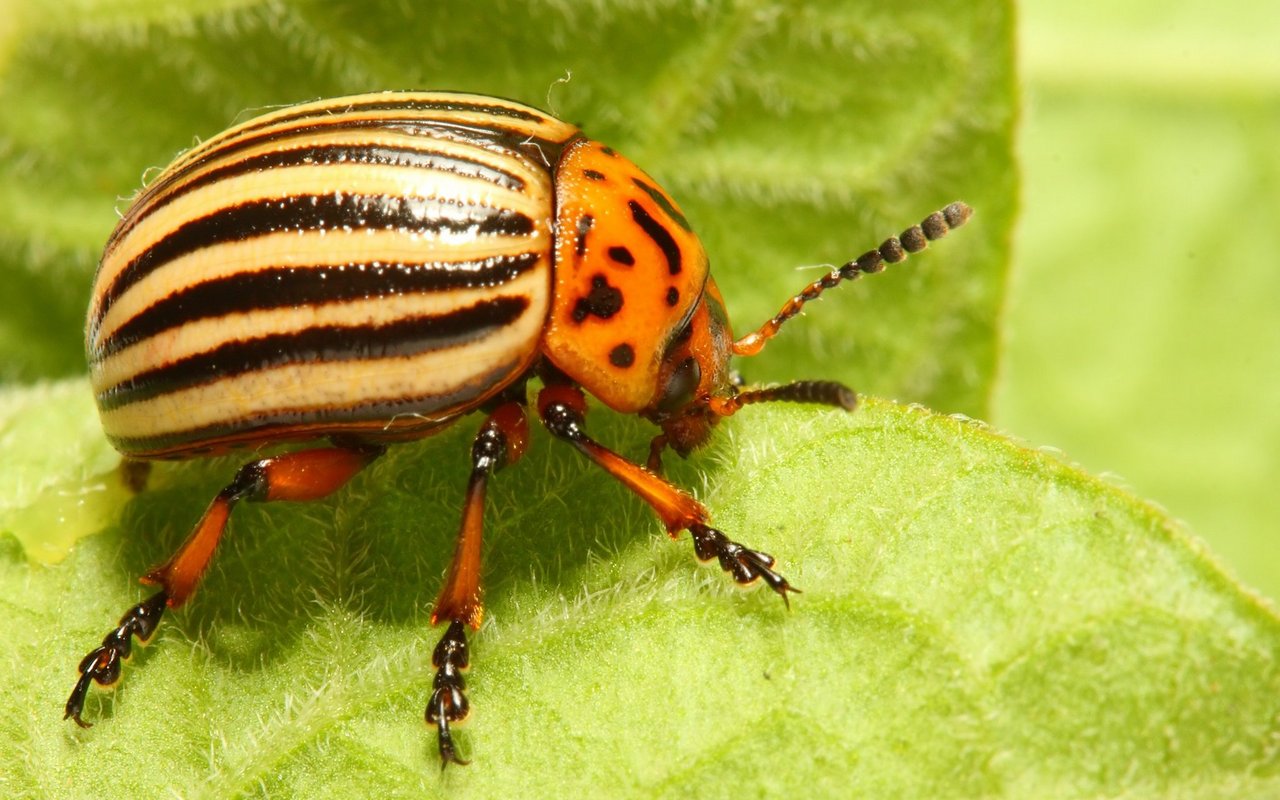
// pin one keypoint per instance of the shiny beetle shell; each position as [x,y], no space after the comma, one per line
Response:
[376,266]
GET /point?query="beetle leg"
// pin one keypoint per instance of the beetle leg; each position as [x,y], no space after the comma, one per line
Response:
[656,445]
[563,410]
[501,441]
[134,474]
[304,475]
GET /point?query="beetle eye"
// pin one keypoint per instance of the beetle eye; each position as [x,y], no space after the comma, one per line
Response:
[679,390]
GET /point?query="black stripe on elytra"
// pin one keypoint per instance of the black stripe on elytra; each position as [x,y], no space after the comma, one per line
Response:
[659,234]
[664,202]
[319,345]
[542,151]
[324,155]
[334,117]
[284,287]
[313,213]
[366,421]
[390,103]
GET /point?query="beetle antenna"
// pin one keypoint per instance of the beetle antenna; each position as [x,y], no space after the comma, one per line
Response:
[822,393]
[891,251]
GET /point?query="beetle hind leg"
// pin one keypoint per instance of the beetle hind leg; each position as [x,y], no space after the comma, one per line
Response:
[448,701]
[301,475]
[102,665]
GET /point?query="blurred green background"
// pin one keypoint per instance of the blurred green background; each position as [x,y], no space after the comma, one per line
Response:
[1142,327]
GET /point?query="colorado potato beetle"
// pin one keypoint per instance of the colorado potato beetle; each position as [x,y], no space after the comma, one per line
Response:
[370,269]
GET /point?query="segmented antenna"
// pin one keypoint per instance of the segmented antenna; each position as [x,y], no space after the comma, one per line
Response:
[891,251]
[822,393]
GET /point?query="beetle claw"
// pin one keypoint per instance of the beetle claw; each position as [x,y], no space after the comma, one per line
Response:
[102,664]
[448,701]
[744,565]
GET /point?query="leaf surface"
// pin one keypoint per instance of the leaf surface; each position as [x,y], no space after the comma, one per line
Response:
[978,619]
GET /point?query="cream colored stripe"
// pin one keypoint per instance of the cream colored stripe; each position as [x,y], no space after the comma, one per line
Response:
[339,110]
[204,335]
[325,385]
[395,183]
[316,248]
[534,177]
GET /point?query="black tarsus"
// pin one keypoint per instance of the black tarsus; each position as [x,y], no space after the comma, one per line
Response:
[743,564]
[102,665]
[448,701]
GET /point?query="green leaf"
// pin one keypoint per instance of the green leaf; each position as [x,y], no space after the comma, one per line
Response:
[52,490]
[978,619]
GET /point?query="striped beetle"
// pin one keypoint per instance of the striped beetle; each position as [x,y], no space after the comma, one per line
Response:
[370,269]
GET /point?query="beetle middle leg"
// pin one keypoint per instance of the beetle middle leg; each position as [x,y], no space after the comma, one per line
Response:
[501,441]
[302,475]
[563,410]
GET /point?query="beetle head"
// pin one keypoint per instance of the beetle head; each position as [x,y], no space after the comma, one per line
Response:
[695,385]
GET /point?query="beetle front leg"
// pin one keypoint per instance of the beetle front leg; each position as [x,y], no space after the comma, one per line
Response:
[656,445]
[501,441]
[302,475]
[563,410]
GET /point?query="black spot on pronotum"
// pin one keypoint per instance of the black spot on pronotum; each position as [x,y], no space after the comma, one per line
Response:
[673,296]
[660,236]
[592,174]
[602,301]
[622,255]
[624,355]
[585,223]
[608,151]
[664,202]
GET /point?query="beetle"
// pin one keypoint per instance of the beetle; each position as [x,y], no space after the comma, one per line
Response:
[370,269]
